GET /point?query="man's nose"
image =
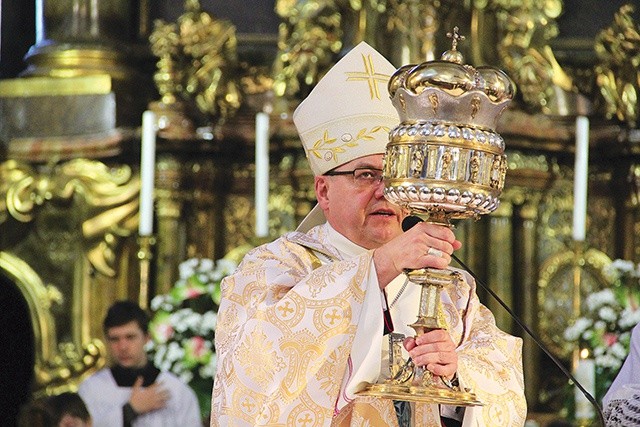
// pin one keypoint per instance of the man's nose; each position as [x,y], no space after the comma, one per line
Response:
[379,192]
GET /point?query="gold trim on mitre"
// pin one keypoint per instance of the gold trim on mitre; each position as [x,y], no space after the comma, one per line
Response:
[349,113]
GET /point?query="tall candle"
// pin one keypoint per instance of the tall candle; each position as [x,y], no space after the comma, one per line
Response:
[147,173]
[405,55]
[262,175]
[581,179]
[586,376]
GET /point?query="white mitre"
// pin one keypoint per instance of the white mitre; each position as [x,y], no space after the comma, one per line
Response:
[346,116]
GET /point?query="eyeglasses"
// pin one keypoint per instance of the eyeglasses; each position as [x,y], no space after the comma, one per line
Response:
[361,176]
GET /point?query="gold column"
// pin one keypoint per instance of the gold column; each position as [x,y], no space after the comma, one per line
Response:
[526,291]
[500,267]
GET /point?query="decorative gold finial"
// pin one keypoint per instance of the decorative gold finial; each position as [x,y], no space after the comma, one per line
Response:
[453,55]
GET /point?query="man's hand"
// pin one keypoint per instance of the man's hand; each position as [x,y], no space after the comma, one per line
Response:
[424,245]
[147,399]
[435,351]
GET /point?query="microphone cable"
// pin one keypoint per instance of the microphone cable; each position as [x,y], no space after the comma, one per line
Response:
[537,340]
[412,220]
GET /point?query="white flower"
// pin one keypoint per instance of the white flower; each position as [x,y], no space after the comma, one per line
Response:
[188,321]
[607,314]
[624,266]
[608,317]
[186,376]
[629,318]
[184,320]
[156,302]
[599,324]
[174,352]
[167,306]
[618,351]
[206,264]
[573,332]
[187,268]
[600,298]
[607,361]
[209,321]
[159,357]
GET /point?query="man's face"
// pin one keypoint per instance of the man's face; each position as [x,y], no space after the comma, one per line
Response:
[126,345]
[359,212]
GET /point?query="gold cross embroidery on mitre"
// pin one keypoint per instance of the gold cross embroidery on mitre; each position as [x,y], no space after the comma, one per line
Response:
[370,76]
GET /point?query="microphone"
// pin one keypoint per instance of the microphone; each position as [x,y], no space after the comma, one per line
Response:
[409,221]
[412,220]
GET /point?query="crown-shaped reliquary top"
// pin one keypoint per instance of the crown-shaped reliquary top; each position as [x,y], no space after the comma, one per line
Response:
[450,92]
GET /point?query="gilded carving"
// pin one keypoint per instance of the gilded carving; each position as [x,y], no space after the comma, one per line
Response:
[556,282]
[56,365]
[433,100]
[447,159]
[525,29]
[474,166]
[417,163]
[475,106]
[312,33]
[12,172]
[109,192]
[197,64]
[617,75]
[80,213]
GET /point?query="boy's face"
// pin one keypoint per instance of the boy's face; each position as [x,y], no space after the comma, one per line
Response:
[126,345]
[73,421]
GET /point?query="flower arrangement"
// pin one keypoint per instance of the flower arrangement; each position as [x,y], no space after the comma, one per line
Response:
[183,325]
[608,316]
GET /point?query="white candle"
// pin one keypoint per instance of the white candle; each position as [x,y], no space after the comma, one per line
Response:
[262,175]
[405,55]
[581,179]
[147,173]
[586,376]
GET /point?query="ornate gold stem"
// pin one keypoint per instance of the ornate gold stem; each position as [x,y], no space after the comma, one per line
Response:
[145,255]
[431,281]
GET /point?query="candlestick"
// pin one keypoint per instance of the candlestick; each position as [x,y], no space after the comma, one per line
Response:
[586,375]
[147,173]
[581,178]
[145,255]
[262,174]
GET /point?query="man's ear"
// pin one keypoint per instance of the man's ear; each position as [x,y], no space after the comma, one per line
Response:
[322,190]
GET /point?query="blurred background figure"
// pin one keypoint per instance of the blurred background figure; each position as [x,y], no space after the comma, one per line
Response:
[62,410]
[132,389]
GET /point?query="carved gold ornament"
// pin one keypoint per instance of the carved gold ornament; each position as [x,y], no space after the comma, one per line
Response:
[197,62]
[618,75]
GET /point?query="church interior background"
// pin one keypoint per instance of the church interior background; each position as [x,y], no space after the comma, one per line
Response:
[76,76]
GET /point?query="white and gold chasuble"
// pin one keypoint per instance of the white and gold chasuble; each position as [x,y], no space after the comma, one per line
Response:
[300,332]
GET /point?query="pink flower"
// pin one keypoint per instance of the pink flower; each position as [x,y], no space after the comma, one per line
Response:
[164,331]
[197,346]
[610,339]
[193,292]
